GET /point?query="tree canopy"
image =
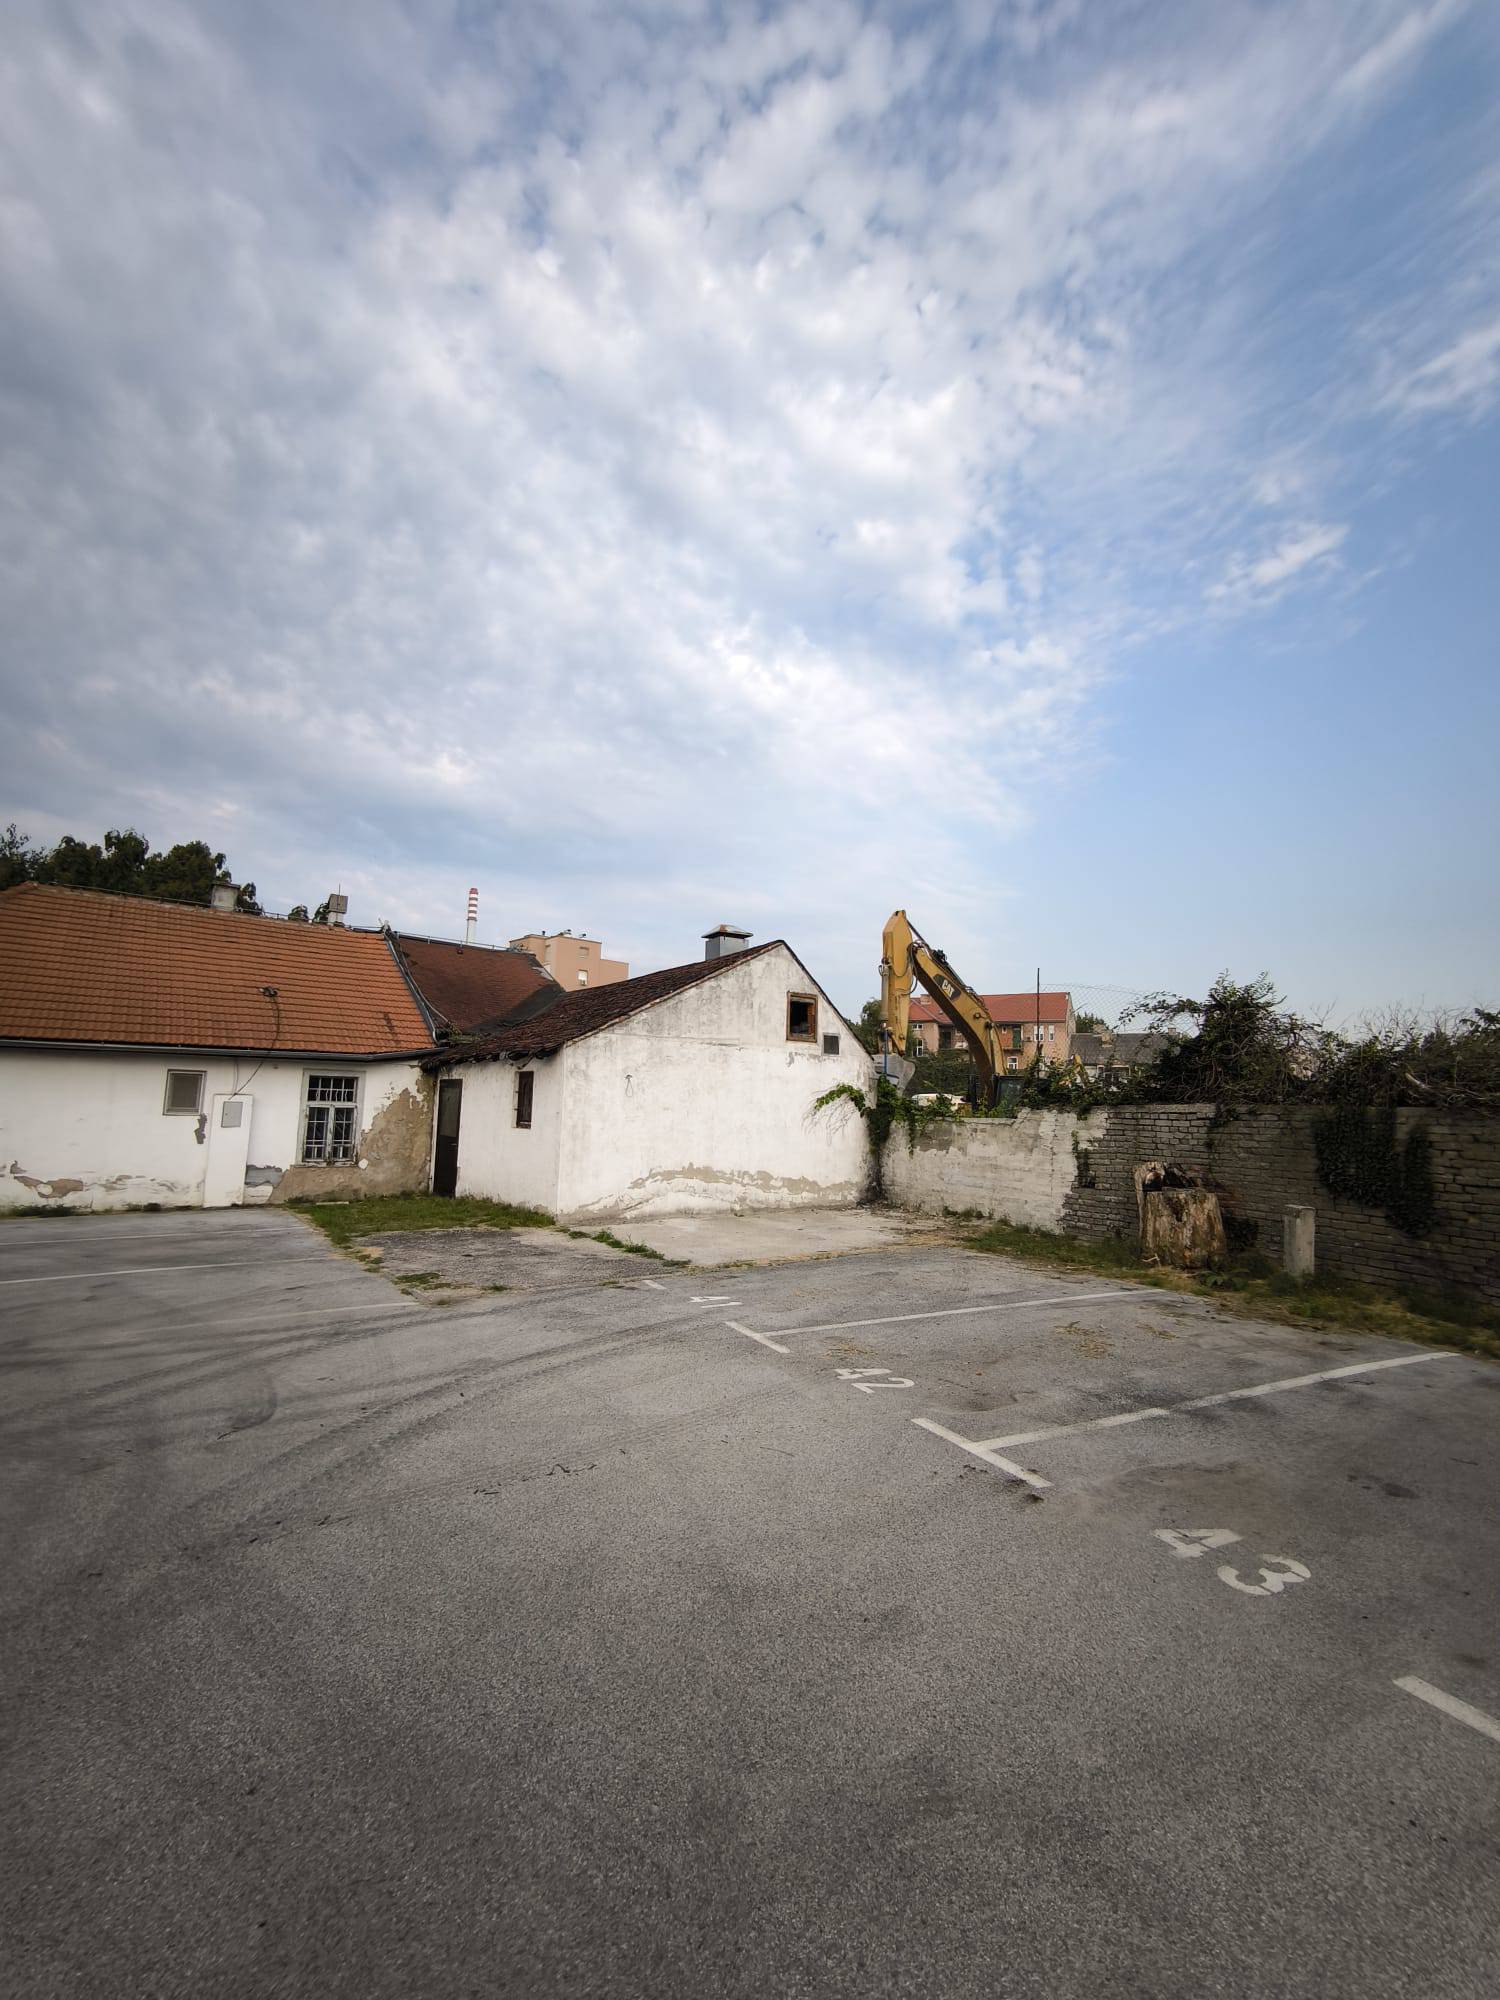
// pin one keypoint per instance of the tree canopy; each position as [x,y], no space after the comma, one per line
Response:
[123,865]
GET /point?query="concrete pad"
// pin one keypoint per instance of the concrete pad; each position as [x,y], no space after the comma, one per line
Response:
[522,1260]
[767,1236]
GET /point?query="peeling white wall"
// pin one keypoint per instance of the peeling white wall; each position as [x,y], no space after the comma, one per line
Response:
[1018,1169]
[701,1103]
[497,1158]
[87,1130]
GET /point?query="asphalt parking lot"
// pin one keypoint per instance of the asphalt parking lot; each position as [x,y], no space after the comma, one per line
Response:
[902,1623]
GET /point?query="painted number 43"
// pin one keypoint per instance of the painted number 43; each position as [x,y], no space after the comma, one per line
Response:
[1275,1574]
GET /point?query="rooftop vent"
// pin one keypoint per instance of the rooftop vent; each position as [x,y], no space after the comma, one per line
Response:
[723,940]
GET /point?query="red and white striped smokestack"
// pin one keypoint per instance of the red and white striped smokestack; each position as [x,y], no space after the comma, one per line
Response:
[473,921]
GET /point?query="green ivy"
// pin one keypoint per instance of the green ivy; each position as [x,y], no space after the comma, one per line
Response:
[1359,1160]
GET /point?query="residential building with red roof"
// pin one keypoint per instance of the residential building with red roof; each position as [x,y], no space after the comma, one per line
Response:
[1031,1025]
[167,1054]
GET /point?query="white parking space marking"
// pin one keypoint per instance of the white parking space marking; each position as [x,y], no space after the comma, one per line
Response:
[155,1270]
[1451,1705]
[715,1299]
[957,1312]
[1209,1402]
[1067,1430]
[651,1284]
[983,1451]
[764,1338]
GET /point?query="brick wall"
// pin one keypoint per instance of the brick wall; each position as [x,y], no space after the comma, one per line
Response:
[1031,1170]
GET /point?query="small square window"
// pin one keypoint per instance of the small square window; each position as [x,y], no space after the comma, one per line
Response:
[830,1045]
[525,1088]
[583,979]
[801,1017]
[184,1098]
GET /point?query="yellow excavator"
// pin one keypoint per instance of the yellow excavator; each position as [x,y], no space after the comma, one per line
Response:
[906,956]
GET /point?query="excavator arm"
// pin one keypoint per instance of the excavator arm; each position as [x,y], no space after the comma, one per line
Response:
[906,956]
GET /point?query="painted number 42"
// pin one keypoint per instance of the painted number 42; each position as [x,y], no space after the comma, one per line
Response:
[891,1381]
[1276,1572]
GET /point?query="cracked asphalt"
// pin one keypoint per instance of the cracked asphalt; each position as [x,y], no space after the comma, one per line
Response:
[632,1638]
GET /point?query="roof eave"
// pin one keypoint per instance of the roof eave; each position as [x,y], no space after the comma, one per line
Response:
[213,1049]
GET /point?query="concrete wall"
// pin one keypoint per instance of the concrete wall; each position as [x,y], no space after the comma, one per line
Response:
[1027,1170]
[1015,1170]
[496,1159]
[88,1131]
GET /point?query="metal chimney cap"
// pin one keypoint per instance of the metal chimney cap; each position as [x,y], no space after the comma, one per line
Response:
[727,930]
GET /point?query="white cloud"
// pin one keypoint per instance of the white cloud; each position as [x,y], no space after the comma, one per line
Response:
[1465,376]
[1309,546]
[532,455]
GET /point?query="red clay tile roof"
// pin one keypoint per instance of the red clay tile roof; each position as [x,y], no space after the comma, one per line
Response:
[470,985]
[580,1013]
[76,966]
[1005,1007]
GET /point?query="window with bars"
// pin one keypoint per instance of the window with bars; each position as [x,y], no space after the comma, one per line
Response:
[330,1131]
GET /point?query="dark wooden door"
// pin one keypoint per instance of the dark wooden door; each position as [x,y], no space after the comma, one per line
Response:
[445,1160]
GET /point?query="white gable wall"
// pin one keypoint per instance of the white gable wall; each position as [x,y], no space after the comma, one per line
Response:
[86,1129]
[700,1102]
[496,1158]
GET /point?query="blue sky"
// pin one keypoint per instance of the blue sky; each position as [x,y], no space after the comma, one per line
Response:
[1033,463]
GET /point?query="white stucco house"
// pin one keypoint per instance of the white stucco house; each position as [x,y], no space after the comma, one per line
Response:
[157,1053]
[682,1090]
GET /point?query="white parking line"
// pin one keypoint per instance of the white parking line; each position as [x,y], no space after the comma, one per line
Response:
[764,1338]
[956,1312]
[983,1451]
[1207,1402]
[1451,1705]
[156,1270]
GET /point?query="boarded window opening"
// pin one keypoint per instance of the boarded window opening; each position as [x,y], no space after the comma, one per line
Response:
[802,1017]
[525,1086]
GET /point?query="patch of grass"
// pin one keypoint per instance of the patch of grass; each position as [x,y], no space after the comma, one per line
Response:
[343,1221]
[1042,1246]
[415,1278]
[614,1242]
[1253,1286]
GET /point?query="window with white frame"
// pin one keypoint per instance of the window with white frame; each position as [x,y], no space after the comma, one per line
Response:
[330,1126]
[184,1093]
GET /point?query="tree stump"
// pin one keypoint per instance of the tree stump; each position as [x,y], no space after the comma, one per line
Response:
[1182,1227]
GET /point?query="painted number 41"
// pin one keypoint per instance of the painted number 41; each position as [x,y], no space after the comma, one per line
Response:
[1275,1574]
